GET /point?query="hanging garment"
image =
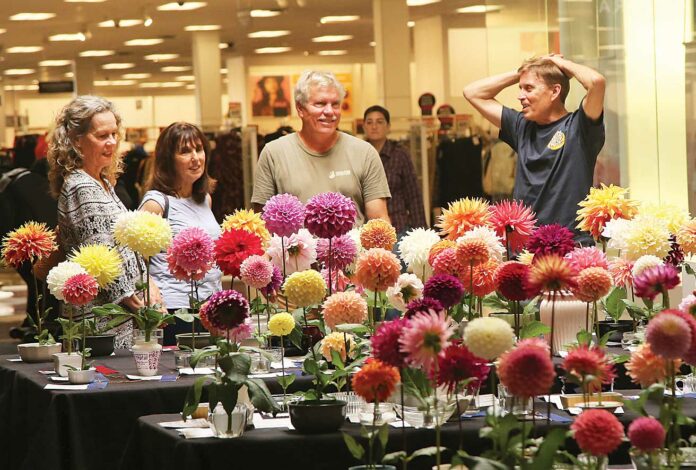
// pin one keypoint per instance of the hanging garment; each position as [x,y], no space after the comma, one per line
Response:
[459,170]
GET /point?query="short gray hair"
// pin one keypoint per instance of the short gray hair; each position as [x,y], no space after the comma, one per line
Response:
[316,78]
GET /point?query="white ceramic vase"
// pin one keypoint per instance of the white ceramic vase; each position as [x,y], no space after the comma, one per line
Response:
[62,362]
[81,377]
[35,352]
[569,319]
[147,356]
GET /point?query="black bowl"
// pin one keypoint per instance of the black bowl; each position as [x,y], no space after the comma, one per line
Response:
[101,345]
[317,416]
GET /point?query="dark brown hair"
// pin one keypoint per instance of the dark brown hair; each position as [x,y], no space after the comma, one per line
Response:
[171,141]
[548,72]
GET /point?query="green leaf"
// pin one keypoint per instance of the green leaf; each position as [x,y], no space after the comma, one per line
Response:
[689,269]
[547,451]
[534,329]
[310,367]
[355,449]
[336,359]
[605,339]
[193,397]
[286,380]
[260,395]
[495,302]
[613,304]
[426,452]
[621,358]
[383,435]
[356,328]
[183,314]
[295,336]
[395,457]
[584,338]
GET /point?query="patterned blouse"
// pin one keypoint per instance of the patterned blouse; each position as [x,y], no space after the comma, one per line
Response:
[86,214]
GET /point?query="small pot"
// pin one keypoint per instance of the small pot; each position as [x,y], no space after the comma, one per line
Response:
[81,377]
[147,357]
[101,345]
[63,361]
[202,340]
[35,352]
[317,416]
[617,329]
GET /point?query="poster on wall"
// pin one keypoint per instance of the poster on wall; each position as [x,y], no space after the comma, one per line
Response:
[346,80]
[270,95]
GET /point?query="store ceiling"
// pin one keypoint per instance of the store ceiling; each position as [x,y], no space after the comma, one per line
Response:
[300,17]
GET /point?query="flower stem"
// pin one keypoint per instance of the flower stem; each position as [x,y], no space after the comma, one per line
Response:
[330,289]
[403,421]
[83,362]
[665,298]
[282,368]
[37,298]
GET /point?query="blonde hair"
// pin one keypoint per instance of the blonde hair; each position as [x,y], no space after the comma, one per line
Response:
[549,72]
[73,122]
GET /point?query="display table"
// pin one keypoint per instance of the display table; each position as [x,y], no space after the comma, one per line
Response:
[85,429]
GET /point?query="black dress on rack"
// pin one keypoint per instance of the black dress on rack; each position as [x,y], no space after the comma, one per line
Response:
[226,168]
[458,170]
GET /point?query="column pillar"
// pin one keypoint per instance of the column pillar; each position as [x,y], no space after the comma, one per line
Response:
[431,62]
[392,55]
[237,84]
[206,69]
[83,76]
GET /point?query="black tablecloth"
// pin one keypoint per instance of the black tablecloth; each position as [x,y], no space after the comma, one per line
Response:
[86,429]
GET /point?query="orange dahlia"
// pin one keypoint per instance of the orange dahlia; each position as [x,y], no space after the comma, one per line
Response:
[604,204]
[583,362]
[463,215]
[446,262]
[438,247]
[30,242]
[551,273]
[484,278]
[592,284]
[377,269]
[686,237]
[376,381]
[377,233]
[344,307]
[646,368]
[527,369]
[472,251]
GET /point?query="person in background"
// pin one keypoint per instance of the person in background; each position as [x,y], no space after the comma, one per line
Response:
[84,164]
[180,192]
[406,203]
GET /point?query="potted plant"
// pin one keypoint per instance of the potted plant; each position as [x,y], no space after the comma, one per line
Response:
[85,374]
[100,343]
[614,306]
[62,360]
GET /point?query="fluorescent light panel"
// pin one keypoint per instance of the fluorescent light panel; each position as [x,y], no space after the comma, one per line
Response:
[24,49]
[55,63]
[418,3]
[338,19]
[272,50]
[32,16]
[479,9]
[333,52]
[333,38]
[203,27]
[114,82]
[19,71]
[264,13]
[158,57]
[185,6]
[136,76]
[144,42]
[124,23]
[268,34]
[67,37]
[118,66]
[176,68]
[96,53]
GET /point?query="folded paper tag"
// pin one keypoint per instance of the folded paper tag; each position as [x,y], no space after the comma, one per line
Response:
[196,433]
[268,422]
[58,378]
[143,377]
[288,363]
[267,375]
[65,387]
[191,423]
[475,414]
[15,359]
[168,378]
[47,372]
[398,423]
[196,371]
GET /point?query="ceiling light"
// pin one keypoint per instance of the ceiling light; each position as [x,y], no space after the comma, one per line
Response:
[479,9]
[23,49]
[158,57]
[338,19]
[418,3]
[149,85]
[136,76]
[171,84]
[32,16]
[411,24]
[114,82]
[185,78]
[118,66]
[19,71]
[147,21]
[181,6]
[203,27]
[144,42]
[84,1]
[373,43]
[3,30]
[223,71]
[125,23]
[176,68]
[264,13]
[96,53]
[55,63]
[333,38]
[334,52]
[223,45]
[191,86]
[68,75]
[21,87]
[268,34]
[272,50]
[68,37]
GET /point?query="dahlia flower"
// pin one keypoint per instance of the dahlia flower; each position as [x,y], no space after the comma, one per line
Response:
[646,235]
[224,311]
[583,362]
[143,232]
[100,261]
[673,216]
[385,342]
[283,214]
[514,220]
[511,281]
[526,370]
[525,257]
[305,288]
[463,215]
[273,287]
[645,262]
[377,233]
[668,335]
[30,242]
[483,278]
[457,364]
[447,262]
[551,273]
[438,248]
[300,251]
[343,251]
[488,337]
[191,254]
[233,247]
[646,368]
[344,307]
[615,231]
[597,432]
[407,287]
[622,272]
[687,305]
[690,355]
[281,324]
[80,289]
[675,257]
[339,281]
[656,280]
[256,271]
[414,247]
[592,284]
[422,305]
[604,204]
[445,288]
[646,434]
[551,239]
[59,274]
[489,237]
[587,257]
[329,215]
[336,341]
[248,220]
[425,338]
[236,335]
[375,381]
[686,237]
[471,251]
[377,269]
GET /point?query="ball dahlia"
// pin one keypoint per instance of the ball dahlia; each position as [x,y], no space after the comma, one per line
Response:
[100,261]
[592,284]
[646,368]
[191,254]
[248,220]
[447,262]
[668,335]
[80,289]
[375,381]
[344,307]
[256,271]
[385,342]
[233,247]
[597,432]
[329,215]
[422,305]
[343,251]
[224,311]
[445,288]
[526,370]
[471,251]
[489,237]
[283,214]
[457,364]
[299,249]
[551,239]
[281,324]
[587,257]
[488,337]
[337,341]
[483,278]
[686,237]
[645,262]
[143,232]
[305,288]
[59,274]
[646,434]
[377,269]
[583,361]
[438,247]
[273,287]
[377,233]
[511,280]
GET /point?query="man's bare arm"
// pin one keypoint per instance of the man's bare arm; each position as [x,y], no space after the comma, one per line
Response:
[377,209]
[593,81]
[481,94]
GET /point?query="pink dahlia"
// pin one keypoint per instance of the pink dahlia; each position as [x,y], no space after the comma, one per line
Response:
[330,215]
[299,249]
[225,311]
[551,239]
[592,284]
[668,334]
[527,370]
[688,304]
[377,269]
[339,281]
[690,355]
[622,272]
[233,247]
[344,307]
[425,338]
[191,254]
[284,214]
[385,342]
[656,280]
[343,251]
[511,280]
[587,257]
[80,289]
[256,271]
[422,305]
[446,262]
[458,364]
[445,288]
[597,432]
[514,220]
[583,362]
[646,434]
[273,287]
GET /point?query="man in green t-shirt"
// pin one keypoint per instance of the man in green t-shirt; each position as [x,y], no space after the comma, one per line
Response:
[319,158]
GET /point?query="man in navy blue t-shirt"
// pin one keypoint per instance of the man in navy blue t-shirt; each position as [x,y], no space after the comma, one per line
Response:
[557,149]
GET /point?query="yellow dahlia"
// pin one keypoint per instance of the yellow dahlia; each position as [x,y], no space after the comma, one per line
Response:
[281,324]
[646,368]
[30,242]
[673,216]
[525,257]
[463,215]
[337,342]
[100,261]
[143,232]
[248,220]
[305,288]
[603,204]
[378,233]
[488,337]
[686,237]
[646,235]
